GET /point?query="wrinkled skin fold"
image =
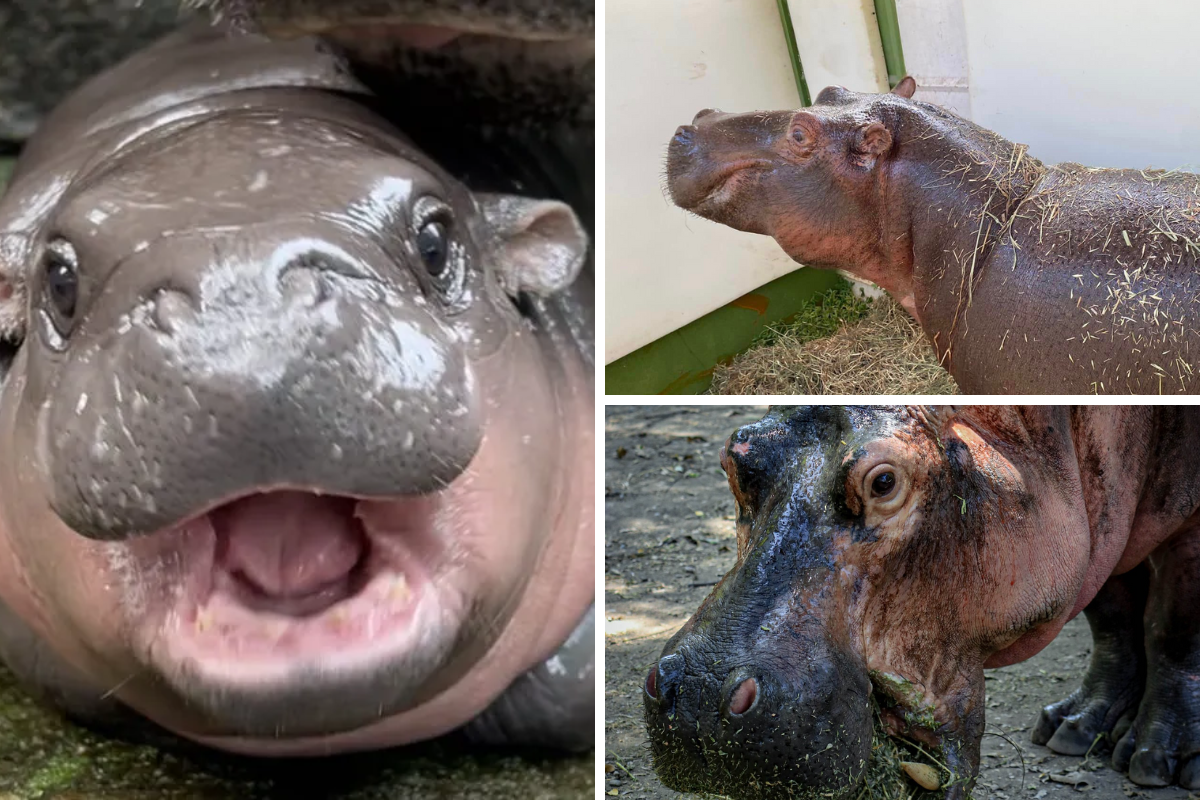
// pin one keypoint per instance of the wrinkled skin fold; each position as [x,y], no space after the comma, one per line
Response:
[898,552]
[267,366]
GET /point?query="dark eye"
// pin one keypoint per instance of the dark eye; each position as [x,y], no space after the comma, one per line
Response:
[883,484]
[62,280]
[433,247]
[798,134]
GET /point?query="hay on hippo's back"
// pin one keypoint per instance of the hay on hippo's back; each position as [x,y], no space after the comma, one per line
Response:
[880,352]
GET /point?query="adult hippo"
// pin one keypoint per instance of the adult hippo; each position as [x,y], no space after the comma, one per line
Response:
[899,551]
[266,370]
[1027,278]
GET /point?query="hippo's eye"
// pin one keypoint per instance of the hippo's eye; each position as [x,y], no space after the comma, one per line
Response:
[884,484]
[443,256]
[61,279]
[433,247]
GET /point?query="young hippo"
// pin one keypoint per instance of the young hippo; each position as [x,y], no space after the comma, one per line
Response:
[900,551]
[266,369]
[1027,278]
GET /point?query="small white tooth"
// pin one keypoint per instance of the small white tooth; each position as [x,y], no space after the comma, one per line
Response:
[204,620]
[399,590]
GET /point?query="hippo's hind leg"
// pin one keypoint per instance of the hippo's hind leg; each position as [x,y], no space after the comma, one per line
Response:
[1108,698]
[552,705]
[1163,744]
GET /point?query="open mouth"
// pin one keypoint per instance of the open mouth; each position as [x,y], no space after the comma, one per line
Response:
[279,580]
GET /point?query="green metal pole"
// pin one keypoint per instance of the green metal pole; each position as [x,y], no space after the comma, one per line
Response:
[785,17]
[889,37]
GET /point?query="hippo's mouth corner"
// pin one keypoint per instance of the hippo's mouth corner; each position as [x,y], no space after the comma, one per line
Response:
[703,186]
[280,588]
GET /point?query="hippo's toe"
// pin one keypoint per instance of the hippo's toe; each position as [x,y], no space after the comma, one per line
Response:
[1072,725]
[1162,746]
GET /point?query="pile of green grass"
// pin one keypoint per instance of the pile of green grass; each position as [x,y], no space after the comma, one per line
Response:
[820,316]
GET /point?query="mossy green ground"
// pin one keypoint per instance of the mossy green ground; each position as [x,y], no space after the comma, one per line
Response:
[43,756]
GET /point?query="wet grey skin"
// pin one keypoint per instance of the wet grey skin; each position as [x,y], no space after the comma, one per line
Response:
[527,63]
[747,701]
[512,63]
[223,276]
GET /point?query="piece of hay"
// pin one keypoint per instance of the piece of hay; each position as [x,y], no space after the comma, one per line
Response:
[885,778]
[884,352]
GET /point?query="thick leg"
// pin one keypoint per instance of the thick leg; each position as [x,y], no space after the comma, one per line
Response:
[1164,742]
[552,705]
[1115,676]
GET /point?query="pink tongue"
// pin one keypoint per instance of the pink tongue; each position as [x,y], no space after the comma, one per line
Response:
[290,544]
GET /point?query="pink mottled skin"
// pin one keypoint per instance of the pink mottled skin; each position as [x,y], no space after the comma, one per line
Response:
[912,548]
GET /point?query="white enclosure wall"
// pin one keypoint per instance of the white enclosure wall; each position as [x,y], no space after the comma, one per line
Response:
[666,60]
[1102,82]
[1107,83]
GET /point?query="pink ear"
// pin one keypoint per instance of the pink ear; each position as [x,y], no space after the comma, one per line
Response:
[873,141]
[906,87]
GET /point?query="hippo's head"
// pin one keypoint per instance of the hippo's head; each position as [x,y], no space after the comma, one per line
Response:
[811,179]
[279,444]
[508,61]
[883,550]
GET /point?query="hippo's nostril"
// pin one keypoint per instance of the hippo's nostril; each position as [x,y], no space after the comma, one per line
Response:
[171,307]
[305,284]
[685,135]
[704,112]
[670,675]
[743,697]
[652,682]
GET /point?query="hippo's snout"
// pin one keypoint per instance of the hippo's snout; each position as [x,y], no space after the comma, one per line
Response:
[756,723]
[293,370]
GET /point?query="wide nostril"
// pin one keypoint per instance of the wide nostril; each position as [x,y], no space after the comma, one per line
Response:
[685,135]
[305,284]
[743,697]
[704,112]
[652,682]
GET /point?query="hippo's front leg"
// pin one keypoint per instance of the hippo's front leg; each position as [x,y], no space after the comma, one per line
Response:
[552,705]
[1163,744]
[1115,675]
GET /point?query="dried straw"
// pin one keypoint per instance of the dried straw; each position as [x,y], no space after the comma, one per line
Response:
[883,353]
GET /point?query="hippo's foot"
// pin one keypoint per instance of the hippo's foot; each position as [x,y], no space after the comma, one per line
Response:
[1163,744]
[552,705]
[1108,698]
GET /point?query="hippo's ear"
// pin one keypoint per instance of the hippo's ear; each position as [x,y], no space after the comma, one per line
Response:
[906,87]
[540,246]
[834,96]
[871,141]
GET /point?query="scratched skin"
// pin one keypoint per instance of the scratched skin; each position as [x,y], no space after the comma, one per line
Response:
[899,551]
[1027,278]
